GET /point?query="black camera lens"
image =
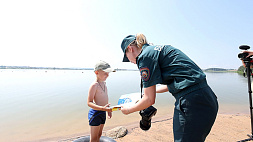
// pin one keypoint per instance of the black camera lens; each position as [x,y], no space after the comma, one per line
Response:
[145,124]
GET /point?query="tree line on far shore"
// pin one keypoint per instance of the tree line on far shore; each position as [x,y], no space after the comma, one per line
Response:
[219,70]
[240,70]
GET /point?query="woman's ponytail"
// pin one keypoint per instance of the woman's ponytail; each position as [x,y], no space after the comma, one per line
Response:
[141,40]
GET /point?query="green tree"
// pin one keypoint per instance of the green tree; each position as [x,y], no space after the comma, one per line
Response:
[241,69]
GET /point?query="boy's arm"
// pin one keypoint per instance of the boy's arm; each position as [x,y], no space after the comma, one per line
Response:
[90,102]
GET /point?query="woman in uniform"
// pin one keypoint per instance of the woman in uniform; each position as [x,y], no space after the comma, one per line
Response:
[196,104]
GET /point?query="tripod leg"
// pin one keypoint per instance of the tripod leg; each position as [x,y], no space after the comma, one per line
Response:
[249,71]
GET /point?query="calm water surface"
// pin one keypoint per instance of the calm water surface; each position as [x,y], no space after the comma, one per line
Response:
[41,104]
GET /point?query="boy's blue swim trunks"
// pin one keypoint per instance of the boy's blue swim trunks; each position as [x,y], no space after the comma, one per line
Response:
[96,117]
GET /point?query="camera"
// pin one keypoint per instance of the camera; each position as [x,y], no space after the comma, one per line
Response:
[243,55]
[146,115]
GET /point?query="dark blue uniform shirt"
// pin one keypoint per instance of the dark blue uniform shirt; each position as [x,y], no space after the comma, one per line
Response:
[168,65]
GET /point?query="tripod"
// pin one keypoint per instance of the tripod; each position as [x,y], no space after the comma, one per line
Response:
[248,62]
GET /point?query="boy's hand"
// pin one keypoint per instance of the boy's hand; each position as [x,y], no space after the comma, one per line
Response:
[106,108]
[109,115]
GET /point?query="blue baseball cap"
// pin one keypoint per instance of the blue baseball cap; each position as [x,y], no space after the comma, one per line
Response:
[126,41]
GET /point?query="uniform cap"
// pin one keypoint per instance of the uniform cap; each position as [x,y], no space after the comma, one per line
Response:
[126,41]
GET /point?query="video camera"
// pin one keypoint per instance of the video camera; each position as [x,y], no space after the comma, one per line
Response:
[247,60]
[243,56]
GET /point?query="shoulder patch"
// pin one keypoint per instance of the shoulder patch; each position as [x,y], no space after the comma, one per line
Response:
[145,73]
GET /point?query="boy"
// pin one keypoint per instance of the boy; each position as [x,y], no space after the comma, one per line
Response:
[98,101]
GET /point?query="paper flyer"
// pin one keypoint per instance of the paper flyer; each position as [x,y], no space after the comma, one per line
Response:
[127,100]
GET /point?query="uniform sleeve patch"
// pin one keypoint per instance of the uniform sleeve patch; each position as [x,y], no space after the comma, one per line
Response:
[145,74]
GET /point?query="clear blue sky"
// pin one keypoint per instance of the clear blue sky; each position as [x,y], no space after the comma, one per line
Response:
[74,33]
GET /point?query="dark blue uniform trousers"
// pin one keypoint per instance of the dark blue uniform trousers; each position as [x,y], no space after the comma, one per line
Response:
[194,115]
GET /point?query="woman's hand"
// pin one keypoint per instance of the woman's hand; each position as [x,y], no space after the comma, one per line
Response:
[125,110]
[249,52]
[147,100]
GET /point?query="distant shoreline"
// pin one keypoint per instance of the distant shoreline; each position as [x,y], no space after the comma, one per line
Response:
[56,68]
[117,69]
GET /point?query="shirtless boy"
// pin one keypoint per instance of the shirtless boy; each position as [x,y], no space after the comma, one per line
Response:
[98,101]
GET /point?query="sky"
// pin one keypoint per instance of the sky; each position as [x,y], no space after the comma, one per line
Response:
[78,33]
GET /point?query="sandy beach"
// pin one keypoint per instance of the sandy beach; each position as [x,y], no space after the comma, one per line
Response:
[227,128]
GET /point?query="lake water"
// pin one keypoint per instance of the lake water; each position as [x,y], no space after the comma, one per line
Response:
[43,104]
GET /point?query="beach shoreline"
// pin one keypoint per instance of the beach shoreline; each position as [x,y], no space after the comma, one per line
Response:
[227,127]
